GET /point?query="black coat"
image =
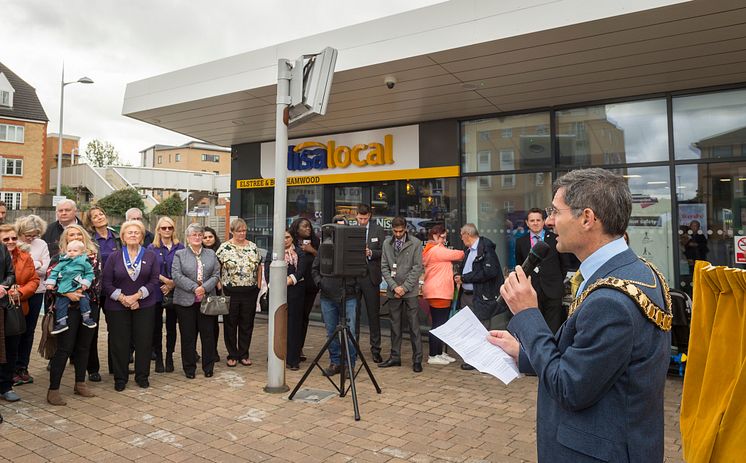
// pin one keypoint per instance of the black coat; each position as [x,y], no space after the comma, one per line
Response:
[486,275]
[549,282]
[297,292]
[52,236]
[376,236]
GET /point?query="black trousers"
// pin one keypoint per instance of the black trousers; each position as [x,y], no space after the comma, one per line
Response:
[127,326]
[75,342]
[308,300]
[192,321]
[370,293]
[238,325]
[158,328]
[296,299]
[94,365]
[552,311]
[439,317]
[8,368]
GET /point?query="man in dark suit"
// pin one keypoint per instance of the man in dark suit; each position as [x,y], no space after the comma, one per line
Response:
[602,377]
[370,283]
[549,276]
[66,211]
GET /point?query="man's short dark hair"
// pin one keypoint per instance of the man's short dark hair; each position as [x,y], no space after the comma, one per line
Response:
[398,221]
[603,192]
[364,209]
[535,210]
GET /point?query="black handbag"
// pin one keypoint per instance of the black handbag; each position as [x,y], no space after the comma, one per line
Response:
[215,305]
[15,321]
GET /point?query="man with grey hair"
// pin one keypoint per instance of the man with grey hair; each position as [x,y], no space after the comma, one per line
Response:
[602,377]
[65,211]
[480,278]
[134,213]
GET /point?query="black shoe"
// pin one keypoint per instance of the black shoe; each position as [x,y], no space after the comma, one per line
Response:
[119,386]
[189,375]
[208,374]
[417,367]
[143,383]
[217,357]
[169,363]
[332,370]
[159,368]
[132,359]
[377,358]
[153,356]
[466,366]
[293,367]
[94,377]
[303,358]
[390,363]
[198,358]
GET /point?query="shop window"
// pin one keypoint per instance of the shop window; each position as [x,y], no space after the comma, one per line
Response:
[531,149]
[617,133]
[710,126]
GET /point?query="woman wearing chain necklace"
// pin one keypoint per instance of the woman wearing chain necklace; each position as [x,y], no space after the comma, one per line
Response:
[195,272]
[130,285]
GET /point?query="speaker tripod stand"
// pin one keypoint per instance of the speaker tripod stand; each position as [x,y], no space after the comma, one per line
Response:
[344,334]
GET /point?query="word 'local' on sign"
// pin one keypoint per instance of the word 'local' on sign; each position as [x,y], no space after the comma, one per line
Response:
[315,155]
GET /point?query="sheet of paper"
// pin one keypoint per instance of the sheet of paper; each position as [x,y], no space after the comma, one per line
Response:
[467,336]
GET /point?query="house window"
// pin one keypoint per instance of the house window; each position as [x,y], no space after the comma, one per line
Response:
[210,157]
[12,199]
[4,98]
[178,157]
[484,161]
[13,167]
[160,159]
[507,160]
[507,181]
[12,133]
[485,183]
[507,133]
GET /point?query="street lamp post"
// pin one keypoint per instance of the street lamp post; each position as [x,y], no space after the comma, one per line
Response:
[82,80]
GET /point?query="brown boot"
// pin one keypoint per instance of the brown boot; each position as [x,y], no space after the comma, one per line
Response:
[54,397]
[82,390]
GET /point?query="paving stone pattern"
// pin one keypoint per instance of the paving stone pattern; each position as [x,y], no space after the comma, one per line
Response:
[441,415]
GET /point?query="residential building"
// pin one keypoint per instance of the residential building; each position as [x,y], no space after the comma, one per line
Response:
[194,156]
[70,150]
[23,137]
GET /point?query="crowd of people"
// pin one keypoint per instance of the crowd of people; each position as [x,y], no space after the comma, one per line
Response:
[585,363]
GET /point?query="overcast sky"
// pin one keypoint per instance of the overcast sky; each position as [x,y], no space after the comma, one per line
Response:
[115,42]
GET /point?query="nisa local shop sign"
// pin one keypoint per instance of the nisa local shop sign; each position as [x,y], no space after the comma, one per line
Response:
[371,155]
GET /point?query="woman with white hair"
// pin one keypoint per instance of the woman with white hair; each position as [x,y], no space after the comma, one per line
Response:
[129,285]
[241,277]
[30,228]
[195,272]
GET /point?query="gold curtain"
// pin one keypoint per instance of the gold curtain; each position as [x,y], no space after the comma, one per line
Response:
[713,412]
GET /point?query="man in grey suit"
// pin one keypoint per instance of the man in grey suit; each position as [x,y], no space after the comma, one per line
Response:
[602,376]
[370,283]
[401,267]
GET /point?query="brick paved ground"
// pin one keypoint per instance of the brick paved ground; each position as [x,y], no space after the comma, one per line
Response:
[443,414]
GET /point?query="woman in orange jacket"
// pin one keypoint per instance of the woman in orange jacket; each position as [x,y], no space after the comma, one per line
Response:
[438,288]
[26,283]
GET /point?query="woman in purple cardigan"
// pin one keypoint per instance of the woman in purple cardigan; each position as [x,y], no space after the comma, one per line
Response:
[130,283]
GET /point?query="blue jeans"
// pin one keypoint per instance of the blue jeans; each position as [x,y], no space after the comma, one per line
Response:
[63,303]
[330,311]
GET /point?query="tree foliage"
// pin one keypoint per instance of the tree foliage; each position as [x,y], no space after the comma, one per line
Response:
[118,202]
[101,154]
[171,206]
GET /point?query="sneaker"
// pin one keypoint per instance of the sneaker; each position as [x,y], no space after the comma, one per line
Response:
[59,328]
[447,358]
[22,377]
[436,360]
[88,322]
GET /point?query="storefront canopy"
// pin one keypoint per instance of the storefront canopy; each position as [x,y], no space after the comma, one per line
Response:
[459,59]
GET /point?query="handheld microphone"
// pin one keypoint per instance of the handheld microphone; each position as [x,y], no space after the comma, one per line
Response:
[537,254]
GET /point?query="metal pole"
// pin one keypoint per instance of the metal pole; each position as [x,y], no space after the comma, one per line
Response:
[278,269]
[59,144]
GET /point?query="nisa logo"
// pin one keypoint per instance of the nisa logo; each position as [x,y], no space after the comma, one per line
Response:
[314,155]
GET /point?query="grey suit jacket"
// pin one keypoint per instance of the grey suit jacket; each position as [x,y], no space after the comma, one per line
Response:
[184,273]
[602,377]
[403,268]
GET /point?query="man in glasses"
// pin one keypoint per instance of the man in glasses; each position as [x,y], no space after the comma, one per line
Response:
[602,377]
[136,214]
[549,276]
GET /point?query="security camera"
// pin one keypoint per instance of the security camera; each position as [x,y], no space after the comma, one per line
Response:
[390,81]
